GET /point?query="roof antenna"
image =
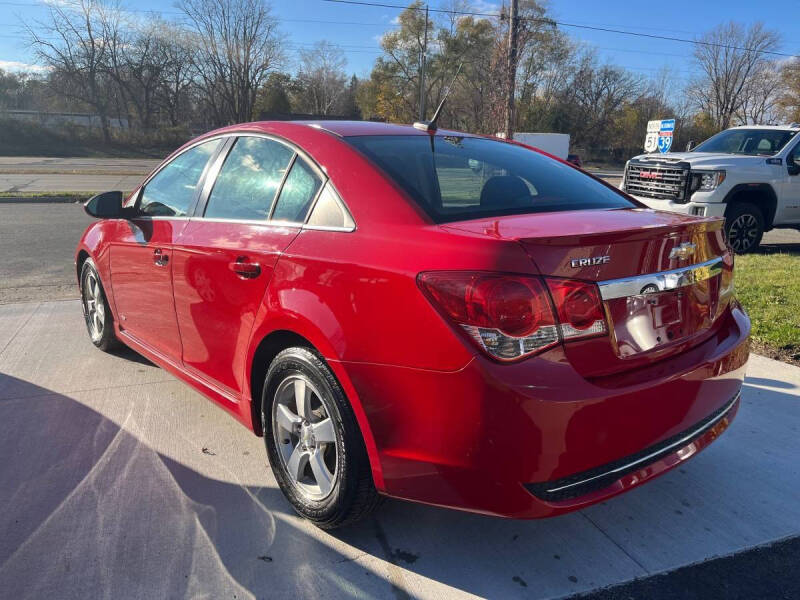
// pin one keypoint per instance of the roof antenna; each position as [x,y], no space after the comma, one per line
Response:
[430,126]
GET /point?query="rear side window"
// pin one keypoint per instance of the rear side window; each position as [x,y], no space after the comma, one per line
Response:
[456,178]
[172,191]
[249,178]
[297,193]
[330,211]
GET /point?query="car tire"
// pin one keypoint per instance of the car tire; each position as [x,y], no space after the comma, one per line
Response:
[96,312]
[744,227]
[314,443]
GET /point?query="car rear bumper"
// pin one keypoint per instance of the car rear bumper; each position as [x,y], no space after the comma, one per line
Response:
[505,439]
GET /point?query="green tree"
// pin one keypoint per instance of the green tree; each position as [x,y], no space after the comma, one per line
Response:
[273,97]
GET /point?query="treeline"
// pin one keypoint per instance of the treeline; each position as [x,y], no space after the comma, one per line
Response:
[228,61]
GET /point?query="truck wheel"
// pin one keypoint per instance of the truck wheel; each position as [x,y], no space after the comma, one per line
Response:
[744,227]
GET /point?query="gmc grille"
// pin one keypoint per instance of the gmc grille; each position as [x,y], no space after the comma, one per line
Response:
[665,182]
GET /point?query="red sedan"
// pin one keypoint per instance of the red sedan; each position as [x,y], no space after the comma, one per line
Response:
[427,315]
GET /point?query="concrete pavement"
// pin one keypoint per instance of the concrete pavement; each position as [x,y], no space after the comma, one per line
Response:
[46,174]
[47,164]
[68,182]
[118,481]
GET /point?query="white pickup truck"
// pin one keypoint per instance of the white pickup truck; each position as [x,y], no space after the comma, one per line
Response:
[750,175]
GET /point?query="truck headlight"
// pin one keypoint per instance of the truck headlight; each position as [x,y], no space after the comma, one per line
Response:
[705,181]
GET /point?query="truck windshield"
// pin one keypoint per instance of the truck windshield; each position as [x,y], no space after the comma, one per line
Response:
[457,178]
[755,142]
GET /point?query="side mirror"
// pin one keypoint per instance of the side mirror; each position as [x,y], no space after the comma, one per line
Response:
[791,165]
[107,205]
[690,145]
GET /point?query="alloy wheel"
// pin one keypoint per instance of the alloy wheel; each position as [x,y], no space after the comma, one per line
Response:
[94,306]
[305,437]
[743,233]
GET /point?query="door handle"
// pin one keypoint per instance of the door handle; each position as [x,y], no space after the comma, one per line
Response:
[160,258]
[244,268]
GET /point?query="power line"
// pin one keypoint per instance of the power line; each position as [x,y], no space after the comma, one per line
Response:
[565,24]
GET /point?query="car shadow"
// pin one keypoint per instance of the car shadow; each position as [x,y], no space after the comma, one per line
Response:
[89,508]
[131,355]
[772,383]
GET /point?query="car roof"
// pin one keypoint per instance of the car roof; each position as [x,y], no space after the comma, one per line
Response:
[358,128]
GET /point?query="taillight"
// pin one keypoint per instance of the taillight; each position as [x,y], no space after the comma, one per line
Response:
[511,316]
[579,307]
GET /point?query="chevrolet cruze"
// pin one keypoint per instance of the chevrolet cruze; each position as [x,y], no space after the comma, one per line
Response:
[428,315]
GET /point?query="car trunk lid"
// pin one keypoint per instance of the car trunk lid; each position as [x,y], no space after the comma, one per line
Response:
[664,278]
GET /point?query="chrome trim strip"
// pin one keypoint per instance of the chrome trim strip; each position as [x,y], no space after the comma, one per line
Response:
[663,281]
[661,451]
[275,224]
[329,228]
[260,223]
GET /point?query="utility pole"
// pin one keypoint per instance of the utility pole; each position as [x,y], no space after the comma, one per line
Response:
[513,24]
[422,69]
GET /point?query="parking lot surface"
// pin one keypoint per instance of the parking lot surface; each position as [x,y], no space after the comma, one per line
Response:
[119,481]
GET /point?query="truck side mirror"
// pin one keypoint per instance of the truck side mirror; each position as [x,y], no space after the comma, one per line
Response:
[791,161]
[690,145]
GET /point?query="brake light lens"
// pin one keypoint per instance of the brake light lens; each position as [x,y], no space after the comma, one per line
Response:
[580,309]
[512,316]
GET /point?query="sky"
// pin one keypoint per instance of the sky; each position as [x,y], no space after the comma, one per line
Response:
[357,29]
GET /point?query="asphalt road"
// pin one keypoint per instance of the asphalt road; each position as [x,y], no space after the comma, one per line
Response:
[37,243]
[120,482]
[37,246]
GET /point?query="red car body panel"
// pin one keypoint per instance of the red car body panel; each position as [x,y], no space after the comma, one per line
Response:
[442,422]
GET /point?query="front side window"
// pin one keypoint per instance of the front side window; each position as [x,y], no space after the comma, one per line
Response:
[454,178]
[172,191]
[298,191]
[764,142]
[249,179]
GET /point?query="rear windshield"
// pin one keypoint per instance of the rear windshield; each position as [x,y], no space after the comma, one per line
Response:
[457,178]
[755,142]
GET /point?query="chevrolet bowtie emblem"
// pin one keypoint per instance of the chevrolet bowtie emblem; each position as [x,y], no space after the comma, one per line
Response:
[683,251]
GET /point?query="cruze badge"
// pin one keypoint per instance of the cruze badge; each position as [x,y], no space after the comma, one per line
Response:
[592,261]
[683,251]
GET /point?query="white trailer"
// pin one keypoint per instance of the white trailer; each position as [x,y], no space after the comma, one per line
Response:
[556,144]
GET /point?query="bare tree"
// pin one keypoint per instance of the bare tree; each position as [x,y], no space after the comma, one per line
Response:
[790,98]
[175,54]
[729,57]
[137,65]
[322,79]
[237,45]
[762,96]
[73,41]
